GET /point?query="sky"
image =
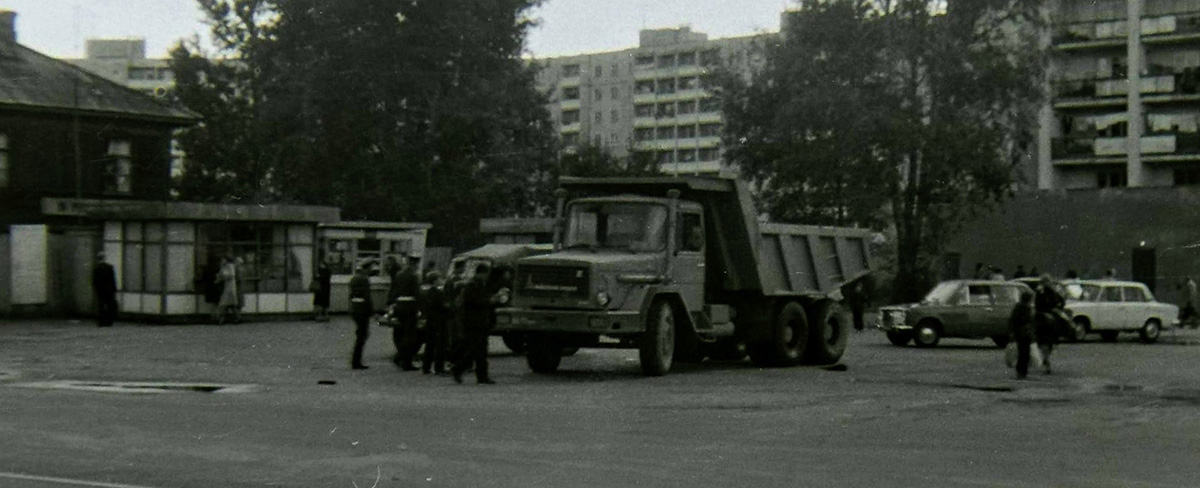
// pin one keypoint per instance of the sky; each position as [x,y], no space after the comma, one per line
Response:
[59,27]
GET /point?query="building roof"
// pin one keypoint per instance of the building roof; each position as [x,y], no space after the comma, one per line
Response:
[33,81]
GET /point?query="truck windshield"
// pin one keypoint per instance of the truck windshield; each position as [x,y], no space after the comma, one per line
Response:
[637,227]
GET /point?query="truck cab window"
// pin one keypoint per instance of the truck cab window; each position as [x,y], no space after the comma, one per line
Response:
[691,233]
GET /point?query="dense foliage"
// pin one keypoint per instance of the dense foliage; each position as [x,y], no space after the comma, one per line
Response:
[908,116]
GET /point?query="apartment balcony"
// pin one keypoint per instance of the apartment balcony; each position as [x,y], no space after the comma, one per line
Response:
[681,143]
[1111,92]
[1112,34]
[573,103]
[1108,150]
[651,73]
[700,167]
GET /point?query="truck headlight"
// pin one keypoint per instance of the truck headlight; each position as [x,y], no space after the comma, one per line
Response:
[602,299]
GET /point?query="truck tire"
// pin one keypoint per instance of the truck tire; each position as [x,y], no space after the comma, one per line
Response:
[543,355]
[788,339]
[656,349]
[514,342]
[827,334]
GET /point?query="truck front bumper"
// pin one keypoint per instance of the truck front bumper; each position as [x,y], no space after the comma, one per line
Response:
[576,321]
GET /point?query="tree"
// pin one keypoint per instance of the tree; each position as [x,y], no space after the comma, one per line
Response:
[592,160]
[388,109]
[908,114]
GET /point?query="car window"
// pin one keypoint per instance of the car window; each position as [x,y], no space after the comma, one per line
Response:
[1111,294]
[1135,294]
[1007,295]
[980,295]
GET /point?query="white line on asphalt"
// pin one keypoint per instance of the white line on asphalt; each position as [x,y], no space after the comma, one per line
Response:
[66,481]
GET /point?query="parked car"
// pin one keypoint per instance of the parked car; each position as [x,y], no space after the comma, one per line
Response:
[1109,307]
[970,309]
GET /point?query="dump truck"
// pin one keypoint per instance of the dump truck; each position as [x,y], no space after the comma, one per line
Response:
[681,269]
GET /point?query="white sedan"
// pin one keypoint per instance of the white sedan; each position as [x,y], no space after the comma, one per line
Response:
[1109,307]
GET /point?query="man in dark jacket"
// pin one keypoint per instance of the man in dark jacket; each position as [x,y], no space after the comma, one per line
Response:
[477,322]
[361,311]
[403,294]
[436,310]
[1047,305]
[1020,323]
[104,283]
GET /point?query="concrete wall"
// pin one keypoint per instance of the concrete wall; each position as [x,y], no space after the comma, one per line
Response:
[1090,231]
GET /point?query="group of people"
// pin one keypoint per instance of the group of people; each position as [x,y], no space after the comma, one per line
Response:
[1037,318]
[458,313]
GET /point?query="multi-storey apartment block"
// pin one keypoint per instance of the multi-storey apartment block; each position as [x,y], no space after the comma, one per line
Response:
[124,61]
[653,101]
[1125,95]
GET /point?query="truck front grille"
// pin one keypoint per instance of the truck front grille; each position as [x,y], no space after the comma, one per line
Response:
[563,282]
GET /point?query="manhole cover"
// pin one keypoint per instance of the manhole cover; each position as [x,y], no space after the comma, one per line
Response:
[137,387]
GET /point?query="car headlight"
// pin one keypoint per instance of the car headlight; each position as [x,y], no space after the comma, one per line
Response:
[602,299]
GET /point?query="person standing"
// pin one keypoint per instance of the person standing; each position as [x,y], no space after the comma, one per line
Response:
[324,288]
[361,311]
[436,311]
[1046,331]
[231,291]
[477,320]
[857,299]
[403,293]
[104,284]
[1020,323]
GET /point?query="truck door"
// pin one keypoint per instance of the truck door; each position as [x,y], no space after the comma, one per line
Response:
[689,264]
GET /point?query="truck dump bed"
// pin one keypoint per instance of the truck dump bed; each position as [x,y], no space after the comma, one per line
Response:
[744,255]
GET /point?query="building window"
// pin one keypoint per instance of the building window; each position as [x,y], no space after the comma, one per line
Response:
[119,167]
[5,168]
[599,71]
[666,133]
[1187,176]
[615,116]
[708,105]
[597,140]
[687,107]
[689,83]
[645,61]
[614,139]
[598,95]
[666,110]
[570,139]
[616,93]
[644,134]
[571,93]
[644,87]
[710,58]
[666,86]
[644,110]
[710,130]
[616,70]
[570,117]
[687,59]
[599,118]
[570,70]
[271,260]
[1111,179]
[687,131]
[687,155]
[709,154]
[666,157]
[666,61]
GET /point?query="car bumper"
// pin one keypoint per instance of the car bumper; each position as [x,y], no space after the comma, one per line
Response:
[573,321]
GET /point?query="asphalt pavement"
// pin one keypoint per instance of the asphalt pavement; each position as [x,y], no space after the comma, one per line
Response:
[276,404]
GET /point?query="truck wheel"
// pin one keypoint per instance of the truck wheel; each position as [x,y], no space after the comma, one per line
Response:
[898,338]
[827,334]
[927,334]
[1149,332]
[543,355]
[514,342]
[656,349]
[788,339]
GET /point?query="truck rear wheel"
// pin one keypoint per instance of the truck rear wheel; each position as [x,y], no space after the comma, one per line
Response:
[827,334]
[543,355]
[656,349]
[788,339]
